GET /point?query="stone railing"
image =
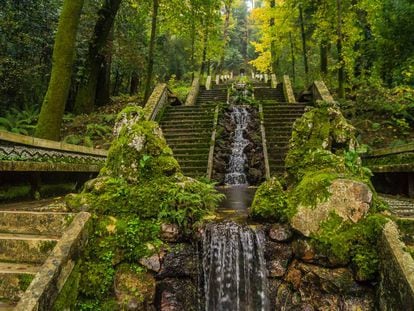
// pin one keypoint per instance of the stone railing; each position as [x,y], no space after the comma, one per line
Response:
[195,89]
[396,288]
[208,83]
[288,90]
[397,159]
[321,92]
[160,97]
[30,154]
[264,143]
[49,281]
[210,163]
[273,80]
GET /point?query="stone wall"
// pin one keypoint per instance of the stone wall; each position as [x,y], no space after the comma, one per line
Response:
[396,288]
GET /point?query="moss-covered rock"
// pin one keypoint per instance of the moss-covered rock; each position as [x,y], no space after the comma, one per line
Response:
[321,128]
[139,151]
[348,199]
[134,289]
[139,188]
[270,202]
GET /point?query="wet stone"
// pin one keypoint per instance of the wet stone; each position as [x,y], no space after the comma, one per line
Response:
[280,233]
[170,233]
[180,261]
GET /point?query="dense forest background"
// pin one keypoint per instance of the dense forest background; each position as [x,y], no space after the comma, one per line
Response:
[362,49]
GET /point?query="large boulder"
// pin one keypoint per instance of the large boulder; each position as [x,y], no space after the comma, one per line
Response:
[348,199]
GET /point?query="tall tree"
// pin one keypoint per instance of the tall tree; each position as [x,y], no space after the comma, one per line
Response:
[85,99]
[53,107]
[150,65]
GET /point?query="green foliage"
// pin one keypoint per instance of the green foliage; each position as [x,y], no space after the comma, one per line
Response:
[269,202]
[97,278]
[355,243]
[67,297]
[25,280]
[20,121]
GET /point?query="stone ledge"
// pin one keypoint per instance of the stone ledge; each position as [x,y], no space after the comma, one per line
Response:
[396,290]
[44,289]
[49,144]
[392,168]
[23,166]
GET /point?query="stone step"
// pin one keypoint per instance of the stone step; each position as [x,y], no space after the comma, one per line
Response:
[182,126]
[26,248]
[189,135]
[192,156]
[18,268]
[189,114]
[7,306]
[271,105]
[187,141]
[188,118]
[25,222]
[176,145]
[14,280]
[198,112]
[193,163]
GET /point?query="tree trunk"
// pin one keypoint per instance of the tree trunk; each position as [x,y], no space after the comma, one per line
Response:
[273,43]
[292,50]
[151,49]
[50,118]
[227,9]
[85,99]
[305,54]
[324,57]
[103,89]
[341,69]
[205,46]
[133,89]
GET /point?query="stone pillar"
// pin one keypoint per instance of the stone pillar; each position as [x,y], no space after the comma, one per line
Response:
[217,79]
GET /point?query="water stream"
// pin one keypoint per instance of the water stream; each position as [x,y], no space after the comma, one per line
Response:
[234,269]
[236,168]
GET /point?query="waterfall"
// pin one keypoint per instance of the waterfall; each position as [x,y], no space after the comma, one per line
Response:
[234,268]
[236,174]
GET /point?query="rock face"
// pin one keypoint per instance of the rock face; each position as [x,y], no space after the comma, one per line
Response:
[349,199]
[298,285]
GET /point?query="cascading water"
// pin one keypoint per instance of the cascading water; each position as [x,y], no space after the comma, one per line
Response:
[236,172]
[234,268]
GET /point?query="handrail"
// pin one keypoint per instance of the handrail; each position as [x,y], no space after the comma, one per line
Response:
[321,92]
[192,96]
[389,151]
[274,81]
[288,90]
[49,144]
[210,163]
[264,142]
[208,83]
[159,98]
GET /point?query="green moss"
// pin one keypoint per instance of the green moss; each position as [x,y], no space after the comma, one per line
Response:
[97,279]
[311,190]
[9,193]
[347,242]
[270,202]
[67,297]
[25,280]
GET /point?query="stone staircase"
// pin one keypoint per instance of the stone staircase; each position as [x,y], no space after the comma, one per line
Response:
[270,94]
[278,122]
[187,130]
[27,238]
[214,95]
